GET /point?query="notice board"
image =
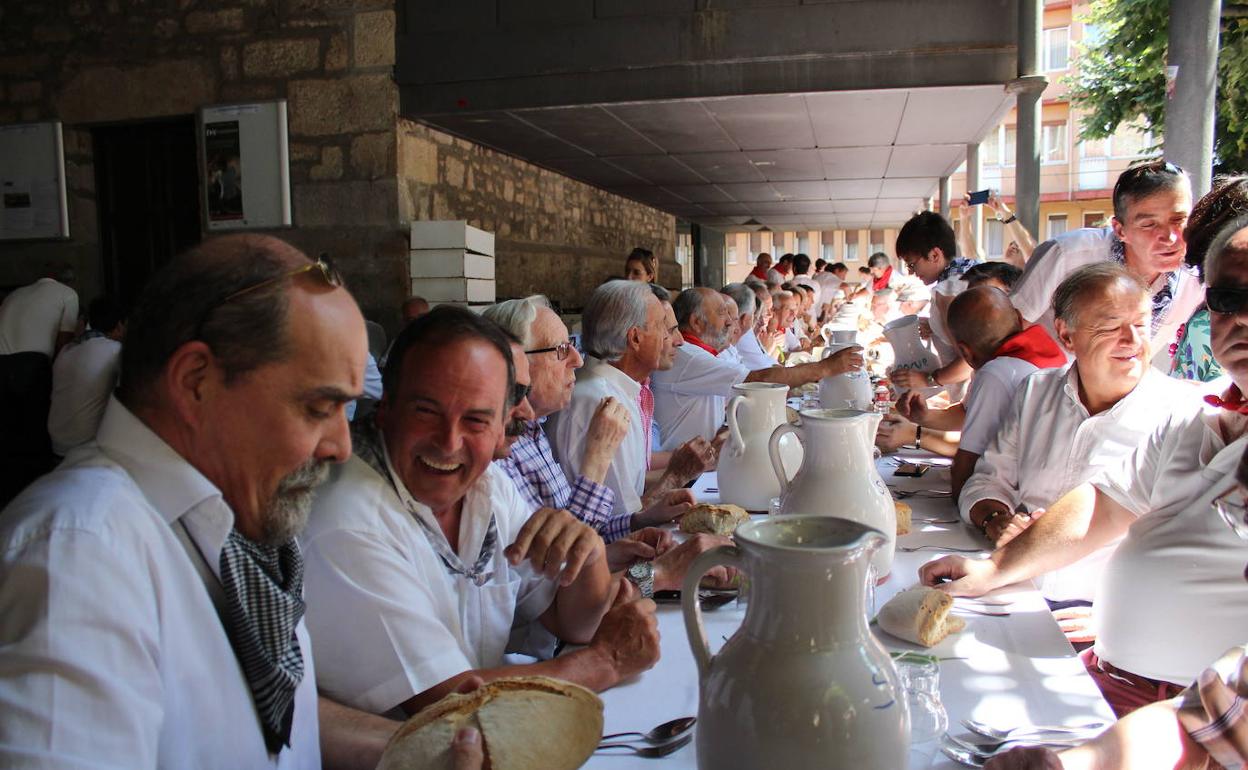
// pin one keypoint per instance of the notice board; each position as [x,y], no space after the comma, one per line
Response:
[245,166]
[32,182]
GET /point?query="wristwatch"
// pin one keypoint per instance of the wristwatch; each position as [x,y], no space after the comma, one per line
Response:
[931,380]
[1007,221]
[642,576]
[983,525]
[918,437]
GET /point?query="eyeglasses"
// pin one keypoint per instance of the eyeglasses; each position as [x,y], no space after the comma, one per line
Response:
[1226,300]
[1230,506]
[519,393]
[322,267]
[561,351]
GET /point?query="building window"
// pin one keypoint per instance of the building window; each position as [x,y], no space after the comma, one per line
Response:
[851,246]
[1127,142]
[760,243]
[1008,143]
[990,150]
[803,244]
[1094,219]
[1056,48]
[732,254]
[877,241]
[1054,136]
[1057,225]
[1094,148]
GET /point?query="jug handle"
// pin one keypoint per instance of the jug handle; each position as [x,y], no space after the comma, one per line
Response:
[773,448]
[726,555]
[735,442]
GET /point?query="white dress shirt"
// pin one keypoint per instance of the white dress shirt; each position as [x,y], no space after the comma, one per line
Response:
[988,400]
[390,620]
[751,352]
[568,431]
[113,655]
[83,378]
[1057,258]
[689,398]
[31,317]
[1048,444]
[828,284]
[1172,597]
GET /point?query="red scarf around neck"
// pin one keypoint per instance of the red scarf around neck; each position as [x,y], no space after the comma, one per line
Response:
[693,339]
[759,272]
[882,281]
[1233,401]
[1035,346]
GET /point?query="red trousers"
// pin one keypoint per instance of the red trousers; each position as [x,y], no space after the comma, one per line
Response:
[1125,692]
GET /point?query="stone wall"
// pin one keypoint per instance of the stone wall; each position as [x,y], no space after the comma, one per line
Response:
[89,62]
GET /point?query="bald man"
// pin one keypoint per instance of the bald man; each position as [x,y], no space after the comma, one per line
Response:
[989,335]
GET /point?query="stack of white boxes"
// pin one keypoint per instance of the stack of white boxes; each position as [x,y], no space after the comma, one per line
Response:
[452,262]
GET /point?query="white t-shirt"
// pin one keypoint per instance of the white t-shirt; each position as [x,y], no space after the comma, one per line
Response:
[113,652]
[389,619]
[83,377]
[753,357]
[568,431]
[1172,597]
[689,398]
[32,316]
[1057,258]
[988,400]
[828,284]
[1048,444]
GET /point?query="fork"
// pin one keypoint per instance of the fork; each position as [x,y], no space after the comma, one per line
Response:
[945,548]
[650,752]
[1031,731]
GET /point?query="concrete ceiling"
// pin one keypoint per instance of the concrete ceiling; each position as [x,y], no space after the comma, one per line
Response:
[810,161]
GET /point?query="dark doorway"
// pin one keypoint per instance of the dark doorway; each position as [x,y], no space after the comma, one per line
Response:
[147,194]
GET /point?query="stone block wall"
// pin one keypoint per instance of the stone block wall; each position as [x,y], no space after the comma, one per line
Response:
[553,235]
[90,62]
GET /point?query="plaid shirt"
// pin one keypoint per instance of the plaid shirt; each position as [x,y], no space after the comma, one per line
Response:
[540,479]
[1213,712]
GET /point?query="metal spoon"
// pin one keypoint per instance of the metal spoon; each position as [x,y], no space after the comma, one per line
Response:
[989,731]
[650,752]
[661,734]
[945,548]
[986,751]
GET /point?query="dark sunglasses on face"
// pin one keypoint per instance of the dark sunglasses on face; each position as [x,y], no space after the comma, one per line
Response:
[1226,300]
[519,393]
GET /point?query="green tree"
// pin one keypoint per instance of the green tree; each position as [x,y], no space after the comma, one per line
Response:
[1121,75]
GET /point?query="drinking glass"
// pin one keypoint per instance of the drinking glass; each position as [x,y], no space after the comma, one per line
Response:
[920,678]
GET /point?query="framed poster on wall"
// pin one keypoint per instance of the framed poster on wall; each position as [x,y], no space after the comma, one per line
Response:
[245,166]
[32,182]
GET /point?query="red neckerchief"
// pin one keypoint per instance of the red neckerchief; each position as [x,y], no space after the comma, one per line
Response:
[1233,401]
[759,272]
[1035,346]
[882,281]
[692,339]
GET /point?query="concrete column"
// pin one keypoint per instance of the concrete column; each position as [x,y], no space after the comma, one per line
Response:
[974,169]
[1191,83]
[943,196]
[1028,89]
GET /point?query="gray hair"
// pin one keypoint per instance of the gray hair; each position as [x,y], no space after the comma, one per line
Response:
[689,306]
[778,297]
[615,308]
[1088,283]
[743,295]
[878,259]
[663,294]
[516,316]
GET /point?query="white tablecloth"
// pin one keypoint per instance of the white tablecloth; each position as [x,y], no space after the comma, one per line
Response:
[1017,669]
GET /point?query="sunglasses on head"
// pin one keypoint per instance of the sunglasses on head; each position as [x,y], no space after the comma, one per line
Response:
[1226,300]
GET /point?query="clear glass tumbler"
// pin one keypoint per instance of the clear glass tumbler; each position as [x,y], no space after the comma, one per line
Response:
[920,678]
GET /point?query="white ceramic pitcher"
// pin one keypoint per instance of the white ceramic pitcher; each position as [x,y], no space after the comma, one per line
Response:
[909,352]
[848,390]
[838,475]
[803,683]
[745,474]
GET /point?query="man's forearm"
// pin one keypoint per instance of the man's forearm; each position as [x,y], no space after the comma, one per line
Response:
[953,372]
[578,608]
[792,376]
[950,419]
[961,470]
[1151,737]
[351,739]
[1080,522]
[938,442]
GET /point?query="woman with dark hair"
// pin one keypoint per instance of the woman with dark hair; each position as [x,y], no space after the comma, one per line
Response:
[641,266]
[1192,354]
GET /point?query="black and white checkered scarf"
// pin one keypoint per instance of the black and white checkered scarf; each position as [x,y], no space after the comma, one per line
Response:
[263,604]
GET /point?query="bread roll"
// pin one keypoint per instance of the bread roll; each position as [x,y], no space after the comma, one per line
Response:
[713,519]
[920,615]
[903,517]
[526,723]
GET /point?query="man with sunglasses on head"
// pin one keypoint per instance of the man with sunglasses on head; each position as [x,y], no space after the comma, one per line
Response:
[151,586]
[1171,596]
[1152,201]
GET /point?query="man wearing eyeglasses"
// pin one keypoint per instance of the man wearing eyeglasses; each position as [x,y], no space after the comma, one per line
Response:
[1152,201]
[1171,598]
[152,585]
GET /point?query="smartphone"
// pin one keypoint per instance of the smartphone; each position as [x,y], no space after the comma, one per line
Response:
[979,197]
[910,469]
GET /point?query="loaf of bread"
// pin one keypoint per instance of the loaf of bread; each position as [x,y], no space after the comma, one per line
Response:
[920,615]
[721,519]
[526,723]
[903,517]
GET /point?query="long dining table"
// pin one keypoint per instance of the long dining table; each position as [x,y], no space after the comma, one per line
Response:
[1005,671]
